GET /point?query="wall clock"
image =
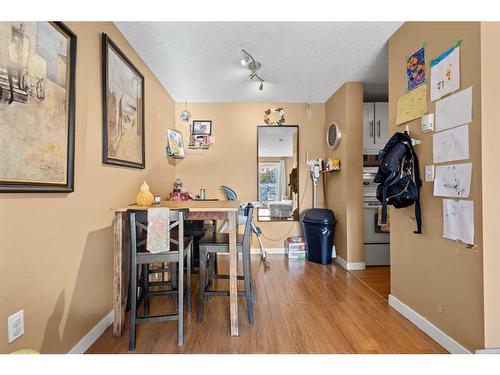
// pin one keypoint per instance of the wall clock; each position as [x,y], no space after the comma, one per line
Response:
[333,135]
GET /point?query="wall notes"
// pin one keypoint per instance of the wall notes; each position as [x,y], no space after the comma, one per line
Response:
[450,145]
[453,180]
[412,105]
[445,73]
[458,220]
[454,110]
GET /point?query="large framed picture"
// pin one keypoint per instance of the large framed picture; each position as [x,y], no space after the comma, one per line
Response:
[123,109]
[202,127]
[37,107]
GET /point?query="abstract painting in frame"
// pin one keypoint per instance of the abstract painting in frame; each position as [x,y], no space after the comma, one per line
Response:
[37,107]
[123,108]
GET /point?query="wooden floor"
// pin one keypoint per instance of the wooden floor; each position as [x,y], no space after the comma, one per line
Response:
[377,278]
[301,307]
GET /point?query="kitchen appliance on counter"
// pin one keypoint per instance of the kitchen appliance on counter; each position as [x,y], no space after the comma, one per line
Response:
[376,242]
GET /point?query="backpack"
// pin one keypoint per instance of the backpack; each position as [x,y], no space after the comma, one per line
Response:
[398,177]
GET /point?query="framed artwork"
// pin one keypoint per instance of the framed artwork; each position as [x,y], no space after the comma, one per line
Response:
[202,127]
[415,69]
[123,109]
[37,107]
[175,144]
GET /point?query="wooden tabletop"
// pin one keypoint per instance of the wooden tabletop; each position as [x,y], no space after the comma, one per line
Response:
[193,206]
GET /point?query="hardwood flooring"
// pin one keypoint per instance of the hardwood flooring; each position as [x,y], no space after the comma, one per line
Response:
[301,307]
[377,278]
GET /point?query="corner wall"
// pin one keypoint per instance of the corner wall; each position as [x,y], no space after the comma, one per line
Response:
[232,159]
[56,250]
[345,189]
[490,99]
[439,278]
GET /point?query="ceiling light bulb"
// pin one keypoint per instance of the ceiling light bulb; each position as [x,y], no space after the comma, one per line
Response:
[244,62]
[261,86]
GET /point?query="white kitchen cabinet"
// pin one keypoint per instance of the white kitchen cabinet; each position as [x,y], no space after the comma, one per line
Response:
[375,127]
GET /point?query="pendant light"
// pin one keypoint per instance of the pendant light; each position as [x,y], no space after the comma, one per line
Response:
[185,115]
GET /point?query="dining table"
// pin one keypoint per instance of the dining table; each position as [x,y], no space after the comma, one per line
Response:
[196,210]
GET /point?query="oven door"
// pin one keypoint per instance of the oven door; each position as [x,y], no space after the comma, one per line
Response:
[373,233]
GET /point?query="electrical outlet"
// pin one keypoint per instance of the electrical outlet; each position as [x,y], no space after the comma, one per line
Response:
[15,324]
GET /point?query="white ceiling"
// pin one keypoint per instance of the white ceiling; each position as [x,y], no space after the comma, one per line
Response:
[276,141]
[301,61]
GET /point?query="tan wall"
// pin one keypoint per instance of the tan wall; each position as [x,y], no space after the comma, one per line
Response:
[345,189]
[232,160]
[437,277]
[490,98]
[56,249]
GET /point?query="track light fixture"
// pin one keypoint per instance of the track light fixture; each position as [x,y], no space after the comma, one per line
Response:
[248,61]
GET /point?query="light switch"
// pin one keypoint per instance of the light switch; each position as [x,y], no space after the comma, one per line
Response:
[427,123]
[15,325]
[429,173]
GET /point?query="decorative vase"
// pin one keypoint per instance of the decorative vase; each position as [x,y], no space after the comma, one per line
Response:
[145,197]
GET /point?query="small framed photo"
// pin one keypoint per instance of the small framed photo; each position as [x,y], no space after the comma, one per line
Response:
[202,127]
[175,145]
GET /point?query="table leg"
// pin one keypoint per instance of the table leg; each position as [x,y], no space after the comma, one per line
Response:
[233,286]
[118,287]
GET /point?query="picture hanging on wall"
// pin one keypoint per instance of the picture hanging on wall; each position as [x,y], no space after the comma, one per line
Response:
[202,127]
[37,107]
[415,69]
[123,108]
[175,146]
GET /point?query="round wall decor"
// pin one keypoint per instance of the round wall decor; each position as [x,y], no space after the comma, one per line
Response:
[268,112]
[333,136]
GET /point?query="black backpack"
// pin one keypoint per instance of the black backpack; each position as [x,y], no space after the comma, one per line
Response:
[398,177]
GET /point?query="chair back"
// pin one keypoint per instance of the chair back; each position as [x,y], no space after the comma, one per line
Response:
[138,224]
[247,234]
[230,193]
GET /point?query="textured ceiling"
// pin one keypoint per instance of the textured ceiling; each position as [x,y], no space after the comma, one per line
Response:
[301,61]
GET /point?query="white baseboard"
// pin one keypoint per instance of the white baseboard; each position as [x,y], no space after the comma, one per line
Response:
[427,327]
[93,335]
[270,250]
[488,351]
[350,266]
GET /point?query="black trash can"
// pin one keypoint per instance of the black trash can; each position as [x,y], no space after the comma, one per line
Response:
[319,230]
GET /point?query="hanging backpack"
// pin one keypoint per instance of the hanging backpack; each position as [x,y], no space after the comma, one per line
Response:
[398,177]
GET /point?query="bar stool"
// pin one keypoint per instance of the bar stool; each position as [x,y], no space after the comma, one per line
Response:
[214,243]
[140,261]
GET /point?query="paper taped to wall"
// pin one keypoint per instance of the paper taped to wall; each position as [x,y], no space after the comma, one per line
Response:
[453,180]
[454,110]
[452,144]
[412,105]
[445,73]
[458,220]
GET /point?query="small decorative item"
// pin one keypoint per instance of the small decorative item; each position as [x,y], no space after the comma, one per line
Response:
[178,185]
[281,120]
[185,115]
[37,107]
[333,135]
[415,69]
[175,145]
[123,108]
[157,199]
[199,142]
[202,193]
[202,127]
[144,197]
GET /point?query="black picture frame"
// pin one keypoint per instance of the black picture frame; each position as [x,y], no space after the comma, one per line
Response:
[194,132]
[68,187]
[107,43]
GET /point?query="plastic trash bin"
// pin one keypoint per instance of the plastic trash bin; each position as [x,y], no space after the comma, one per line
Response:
[319,230]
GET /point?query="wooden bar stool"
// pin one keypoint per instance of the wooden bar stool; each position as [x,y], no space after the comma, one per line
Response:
[140,261]
[213,243]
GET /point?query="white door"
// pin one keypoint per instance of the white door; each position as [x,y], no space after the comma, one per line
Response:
[381,125]
[368,127]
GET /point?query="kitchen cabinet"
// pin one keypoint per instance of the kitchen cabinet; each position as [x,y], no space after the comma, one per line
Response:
[375,127]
